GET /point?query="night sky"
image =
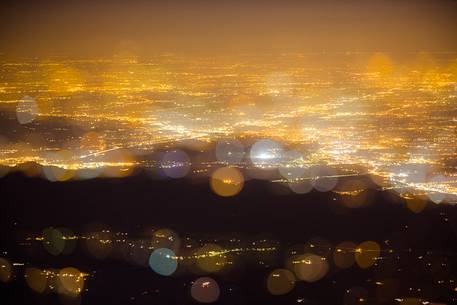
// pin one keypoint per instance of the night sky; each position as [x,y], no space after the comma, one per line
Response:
[149,27]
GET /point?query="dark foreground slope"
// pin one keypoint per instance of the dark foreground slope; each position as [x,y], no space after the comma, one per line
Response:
[261,210]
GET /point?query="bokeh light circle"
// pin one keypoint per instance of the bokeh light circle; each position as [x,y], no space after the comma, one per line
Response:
[280,281]
[436,197]
[36,279]
[227,181]
[210,258]
[265,153]
[53,241]
[205,290]
[166,238]
[291,165]
[301,187]
[310,267]
[6,270]
[163,261]
[324,178]
[343,256]
[72,280]
[99,243]
[367,253]
[175,164]
[26,110]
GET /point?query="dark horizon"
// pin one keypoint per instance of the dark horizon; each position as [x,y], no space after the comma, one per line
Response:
[262,214]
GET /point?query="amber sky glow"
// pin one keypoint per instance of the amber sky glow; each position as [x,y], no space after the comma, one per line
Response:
[102,27]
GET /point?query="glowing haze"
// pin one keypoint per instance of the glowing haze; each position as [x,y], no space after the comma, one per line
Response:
[102,27]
